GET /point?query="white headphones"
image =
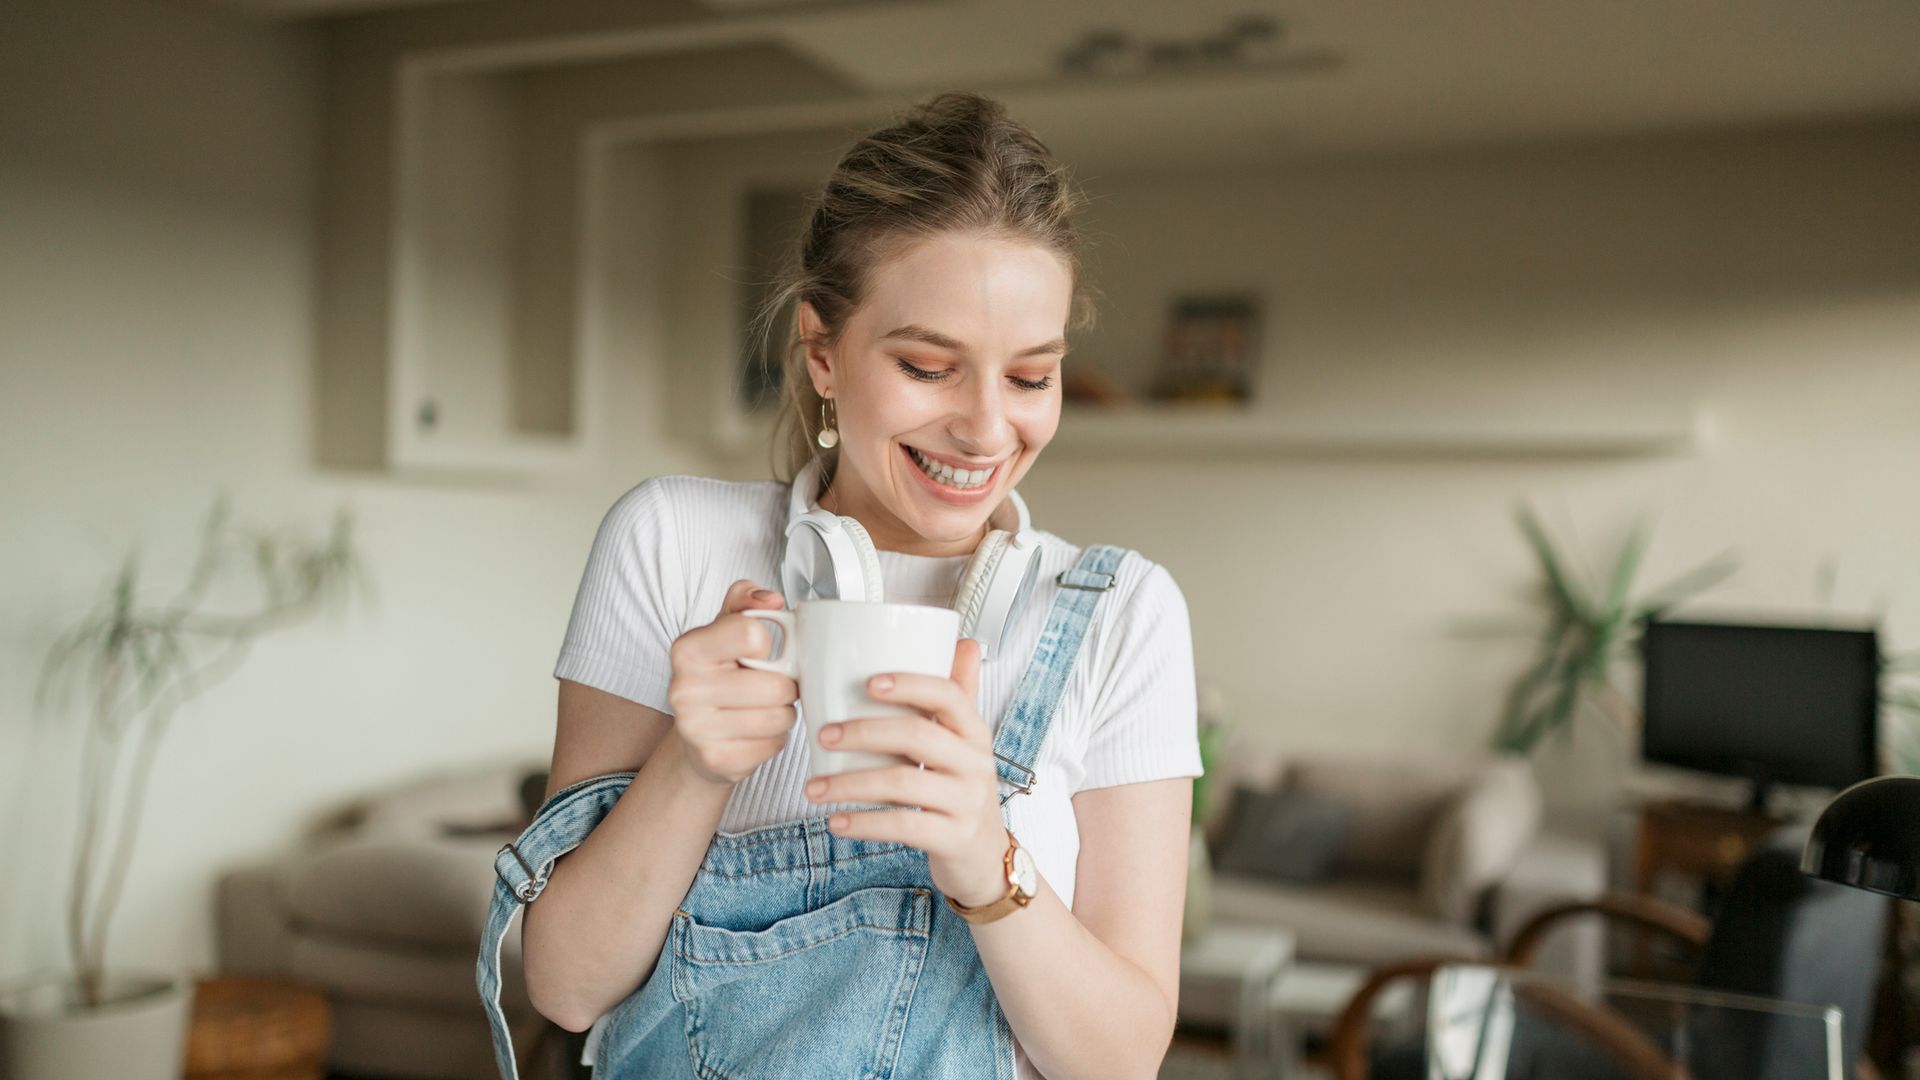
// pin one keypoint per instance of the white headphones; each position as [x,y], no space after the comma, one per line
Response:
[831,557]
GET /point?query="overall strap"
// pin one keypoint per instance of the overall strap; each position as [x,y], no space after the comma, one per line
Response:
[1024,731]
[523,867]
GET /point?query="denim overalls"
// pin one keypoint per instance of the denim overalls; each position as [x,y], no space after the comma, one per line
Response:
[798,953]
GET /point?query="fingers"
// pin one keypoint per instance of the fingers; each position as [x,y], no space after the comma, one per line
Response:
[732,687]
[942,699]
[914,828]
[755,724]
[748,593]
[732,635]
[904,785]
[966,667]
[910,737]
[735,758]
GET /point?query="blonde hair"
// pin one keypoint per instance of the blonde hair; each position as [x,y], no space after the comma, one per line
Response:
[954,163]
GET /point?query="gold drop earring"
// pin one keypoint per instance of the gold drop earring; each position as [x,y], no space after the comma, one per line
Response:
[829,436]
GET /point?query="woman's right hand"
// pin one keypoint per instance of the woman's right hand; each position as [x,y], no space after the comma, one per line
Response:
[730,718]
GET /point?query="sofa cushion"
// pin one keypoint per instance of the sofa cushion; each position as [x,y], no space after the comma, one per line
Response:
[1394,805]
[1479,837]
[396,889]
[1368,924]
[1283,835]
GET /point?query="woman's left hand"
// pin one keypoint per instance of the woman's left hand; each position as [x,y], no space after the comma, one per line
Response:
[959,824]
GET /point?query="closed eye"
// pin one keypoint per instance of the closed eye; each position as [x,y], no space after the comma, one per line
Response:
[939,376]
[919,373]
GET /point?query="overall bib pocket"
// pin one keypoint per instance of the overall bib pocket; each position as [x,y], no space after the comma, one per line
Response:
[822,993]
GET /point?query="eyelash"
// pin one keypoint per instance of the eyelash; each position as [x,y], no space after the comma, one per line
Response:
[936,376]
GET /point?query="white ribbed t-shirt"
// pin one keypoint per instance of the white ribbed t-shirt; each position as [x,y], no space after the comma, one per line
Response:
[668,549]
[666,552]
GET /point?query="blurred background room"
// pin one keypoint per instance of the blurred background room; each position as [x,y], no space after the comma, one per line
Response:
[1439,346]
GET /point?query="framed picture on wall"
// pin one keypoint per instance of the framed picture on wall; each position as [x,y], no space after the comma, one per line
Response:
[1209,351]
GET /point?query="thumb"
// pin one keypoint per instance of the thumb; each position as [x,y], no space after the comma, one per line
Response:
[966,666]
[747,593]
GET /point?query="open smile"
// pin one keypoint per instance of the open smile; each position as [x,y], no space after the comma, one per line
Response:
[959,485]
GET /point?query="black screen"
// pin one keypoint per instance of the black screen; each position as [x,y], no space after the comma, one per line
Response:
[1795,705]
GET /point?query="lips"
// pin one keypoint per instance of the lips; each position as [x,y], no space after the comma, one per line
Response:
[946,493]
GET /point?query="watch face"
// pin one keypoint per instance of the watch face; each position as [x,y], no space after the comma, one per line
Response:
[1026,876]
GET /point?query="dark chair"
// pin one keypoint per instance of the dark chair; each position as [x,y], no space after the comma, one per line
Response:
[1778,934]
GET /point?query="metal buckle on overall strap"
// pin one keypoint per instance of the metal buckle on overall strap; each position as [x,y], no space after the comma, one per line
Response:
[1105,584]
[1018,789]
[525,890]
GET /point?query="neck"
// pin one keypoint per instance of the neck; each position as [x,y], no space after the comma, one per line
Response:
[890,534]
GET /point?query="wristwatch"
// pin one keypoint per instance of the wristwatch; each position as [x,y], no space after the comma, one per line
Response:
[1023,884]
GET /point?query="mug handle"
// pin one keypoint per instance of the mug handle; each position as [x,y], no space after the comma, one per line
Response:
[783,662]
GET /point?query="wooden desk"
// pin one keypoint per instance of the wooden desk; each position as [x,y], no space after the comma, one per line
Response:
[1709,842]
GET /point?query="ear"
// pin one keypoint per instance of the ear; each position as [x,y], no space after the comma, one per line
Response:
[813,335]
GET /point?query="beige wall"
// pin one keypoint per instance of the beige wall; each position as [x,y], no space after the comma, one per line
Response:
[156,291]
[1774,278]
[156,295]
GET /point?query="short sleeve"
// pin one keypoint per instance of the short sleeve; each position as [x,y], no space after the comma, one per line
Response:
[625,616]
[1146,713]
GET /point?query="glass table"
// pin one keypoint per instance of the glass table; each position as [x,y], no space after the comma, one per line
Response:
[1486,1023]
[1227,976]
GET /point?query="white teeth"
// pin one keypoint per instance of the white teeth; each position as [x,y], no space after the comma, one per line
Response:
[961,479]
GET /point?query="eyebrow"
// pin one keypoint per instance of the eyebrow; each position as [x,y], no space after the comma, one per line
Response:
[913,332]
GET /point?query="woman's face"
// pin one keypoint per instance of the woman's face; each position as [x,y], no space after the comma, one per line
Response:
[954,358]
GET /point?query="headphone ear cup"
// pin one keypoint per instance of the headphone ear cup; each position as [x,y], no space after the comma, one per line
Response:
[972,592]
[869,560]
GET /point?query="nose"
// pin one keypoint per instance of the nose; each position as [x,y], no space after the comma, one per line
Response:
[980,428]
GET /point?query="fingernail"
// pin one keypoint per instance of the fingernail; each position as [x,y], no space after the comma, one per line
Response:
[882,683]
[830,733]
[838,823]
[761,594]
[815,787]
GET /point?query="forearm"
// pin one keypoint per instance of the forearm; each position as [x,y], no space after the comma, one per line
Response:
[596,931]
[1078,1007]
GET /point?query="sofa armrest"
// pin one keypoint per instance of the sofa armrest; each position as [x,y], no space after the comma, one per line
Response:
[252,924]
[1551,869]
[1474,844]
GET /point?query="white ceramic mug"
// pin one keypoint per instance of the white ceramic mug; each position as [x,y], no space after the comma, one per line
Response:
[832,647]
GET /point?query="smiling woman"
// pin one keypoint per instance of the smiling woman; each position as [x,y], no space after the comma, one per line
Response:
[720,910]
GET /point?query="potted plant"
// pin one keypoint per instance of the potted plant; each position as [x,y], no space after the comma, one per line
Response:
[1900,701]
[1590,629]
[1212,733]
[132,664]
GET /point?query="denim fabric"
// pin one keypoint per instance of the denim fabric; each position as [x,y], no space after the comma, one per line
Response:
[798,953]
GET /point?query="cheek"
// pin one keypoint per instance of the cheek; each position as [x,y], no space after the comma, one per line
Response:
[891,409]
[1038,423]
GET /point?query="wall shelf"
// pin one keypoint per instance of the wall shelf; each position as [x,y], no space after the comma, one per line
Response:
[1160,431]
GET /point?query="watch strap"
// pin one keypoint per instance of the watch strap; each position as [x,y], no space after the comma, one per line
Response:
[1006,905]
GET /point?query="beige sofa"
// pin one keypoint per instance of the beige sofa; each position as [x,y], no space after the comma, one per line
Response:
[1436,856]
[383,909]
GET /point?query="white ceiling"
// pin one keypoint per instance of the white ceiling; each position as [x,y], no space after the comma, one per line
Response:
[1373,74]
